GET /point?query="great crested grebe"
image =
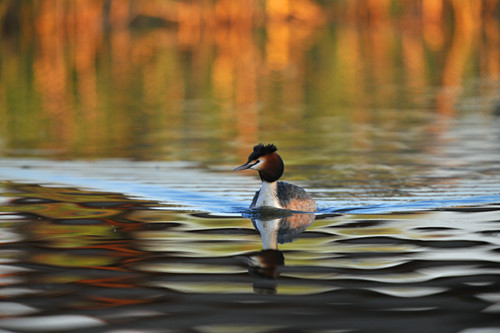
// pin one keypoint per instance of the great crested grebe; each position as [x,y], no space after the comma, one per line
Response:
[273,193]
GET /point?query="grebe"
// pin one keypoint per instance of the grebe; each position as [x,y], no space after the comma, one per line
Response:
[273,193]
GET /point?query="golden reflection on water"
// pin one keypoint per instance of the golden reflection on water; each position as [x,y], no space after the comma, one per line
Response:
[143,79]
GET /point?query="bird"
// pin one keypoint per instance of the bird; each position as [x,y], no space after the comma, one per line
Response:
[274,193]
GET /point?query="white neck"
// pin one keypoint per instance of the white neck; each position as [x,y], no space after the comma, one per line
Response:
[268,195]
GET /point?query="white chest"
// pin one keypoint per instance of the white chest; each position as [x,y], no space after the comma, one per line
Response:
[268,195]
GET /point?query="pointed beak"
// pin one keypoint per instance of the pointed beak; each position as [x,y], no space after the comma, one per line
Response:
[244,167]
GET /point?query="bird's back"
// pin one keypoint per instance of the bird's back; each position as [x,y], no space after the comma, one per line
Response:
[294,197]
[291,197]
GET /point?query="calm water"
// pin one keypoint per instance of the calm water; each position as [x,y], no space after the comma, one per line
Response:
[120,123]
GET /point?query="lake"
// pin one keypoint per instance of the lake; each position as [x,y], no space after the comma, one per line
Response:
[120,123]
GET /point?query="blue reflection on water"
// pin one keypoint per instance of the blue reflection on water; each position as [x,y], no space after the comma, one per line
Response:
[201,191]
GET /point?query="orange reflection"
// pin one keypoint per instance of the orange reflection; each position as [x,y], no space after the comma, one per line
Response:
[432,19]
[50,71]
[108,74]
[467,18]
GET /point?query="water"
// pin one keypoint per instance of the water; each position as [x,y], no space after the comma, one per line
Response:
[120,123]
[108,262]
[116,245]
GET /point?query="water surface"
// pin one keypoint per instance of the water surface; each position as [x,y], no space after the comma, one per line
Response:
[181,250]
[120,123]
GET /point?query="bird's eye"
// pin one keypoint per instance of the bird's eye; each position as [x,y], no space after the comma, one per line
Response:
[258,161]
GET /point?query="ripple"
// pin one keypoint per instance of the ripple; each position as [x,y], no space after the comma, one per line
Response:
[16,309]
[144,265]
[182,187]
[50,323]
[409,291]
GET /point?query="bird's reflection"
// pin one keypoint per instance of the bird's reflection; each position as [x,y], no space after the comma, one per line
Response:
[275,227]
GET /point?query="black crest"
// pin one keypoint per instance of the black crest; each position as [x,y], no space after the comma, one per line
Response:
[261,150]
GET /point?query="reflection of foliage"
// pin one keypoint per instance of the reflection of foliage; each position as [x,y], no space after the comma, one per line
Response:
[69,236]
[75,230]
[60,210]
[71,260]
[134,89]
[65,217]
[59,203]
[62,194]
